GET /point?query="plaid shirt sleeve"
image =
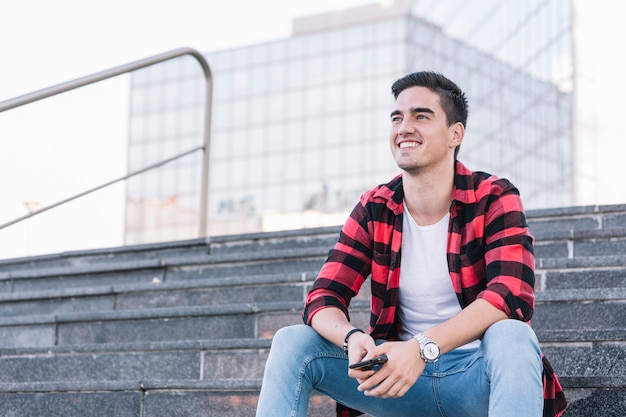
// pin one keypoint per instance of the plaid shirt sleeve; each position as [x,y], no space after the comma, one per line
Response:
[490,249]
[346,268]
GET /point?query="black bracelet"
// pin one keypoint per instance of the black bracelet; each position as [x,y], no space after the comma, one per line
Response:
[350,333]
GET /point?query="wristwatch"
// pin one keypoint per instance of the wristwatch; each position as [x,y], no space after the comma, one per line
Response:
[429,350]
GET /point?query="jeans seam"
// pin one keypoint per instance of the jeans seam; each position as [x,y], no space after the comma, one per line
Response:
[302,373]
[435,382]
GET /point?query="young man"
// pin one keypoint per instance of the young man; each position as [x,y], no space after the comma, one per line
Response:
[451,265]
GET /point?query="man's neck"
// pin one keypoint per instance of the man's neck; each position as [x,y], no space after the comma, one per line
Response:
[428,194]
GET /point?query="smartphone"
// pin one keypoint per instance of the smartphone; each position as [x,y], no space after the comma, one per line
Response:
[369,364]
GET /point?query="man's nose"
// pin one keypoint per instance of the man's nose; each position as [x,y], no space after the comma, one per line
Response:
[406,128]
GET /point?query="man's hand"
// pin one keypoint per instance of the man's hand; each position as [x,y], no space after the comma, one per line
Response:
[397,376]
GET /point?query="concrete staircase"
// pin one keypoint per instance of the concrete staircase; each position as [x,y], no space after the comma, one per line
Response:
[184,328]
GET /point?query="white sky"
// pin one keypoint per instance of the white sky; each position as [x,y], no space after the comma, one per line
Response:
[57,147]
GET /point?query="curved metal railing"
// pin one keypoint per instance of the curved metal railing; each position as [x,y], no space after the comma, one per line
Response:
[114,72]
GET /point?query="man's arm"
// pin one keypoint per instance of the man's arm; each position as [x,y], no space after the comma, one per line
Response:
[468,325]
[332,324]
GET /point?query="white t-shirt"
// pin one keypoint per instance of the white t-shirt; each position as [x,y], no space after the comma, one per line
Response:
[426,296]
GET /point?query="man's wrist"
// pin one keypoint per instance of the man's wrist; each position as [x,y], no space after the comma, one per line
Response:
[350,333]
[429,350]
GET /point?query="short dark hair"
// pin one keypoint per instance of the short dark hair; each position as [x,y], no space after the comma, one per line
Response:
[451,98]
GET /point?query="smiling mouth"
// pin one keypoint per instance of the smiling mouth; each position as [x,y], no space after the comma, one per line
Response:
[405,145]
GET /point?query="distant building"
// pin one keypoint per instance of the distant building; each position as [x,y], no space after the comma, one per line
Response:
[300,125]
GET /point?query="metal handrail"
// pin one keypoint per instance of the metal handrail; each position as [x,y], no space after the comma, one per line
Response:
[114,72]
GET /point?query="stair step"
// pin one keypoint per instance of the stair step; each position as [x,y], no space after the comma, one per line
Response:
[246,320]
[206,360]
[187,360]
[157,294]
[566,315]
[218,399]
[583,278]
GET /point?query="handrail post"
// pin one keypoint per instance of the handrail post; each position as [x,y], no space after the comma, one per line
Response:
[205,181]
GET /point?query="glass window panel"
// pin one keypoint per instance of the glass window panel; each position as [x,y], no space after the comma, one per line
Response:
[313,102]
[136,129]
[135,157]
[239,113]
[137,100]
[220,60]
[332,162]
[220,115]
[220,146]
[384,58]
[333,130]
[221,85]
[334,67]
[238,172]
[354,126]
[153,126]
[258,54]
[312,163]
[219,175]
[296,47]
[312,133]
[139,77]
[277,74]
[335,40]
[274,167]
[169,123]
[169,181]
[241,83]
[333,99]
[293,197]
[154,73]
[294,104]
[277,51]
[355,36]
[191,121]
[293,136]
[257,140]
[354,94]
[258,108]
[295,74]
[293,166]
[241,57]
[275,139]
[192,92]
[314,70]
[258,80]
[273,197]
[276,107]
[385,31]
[316,43]
[256,172]
[354,63]
[353,160]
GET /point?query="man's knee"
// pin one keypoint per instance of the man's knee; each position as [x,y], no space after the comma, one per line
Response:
[290,334]
[511,335]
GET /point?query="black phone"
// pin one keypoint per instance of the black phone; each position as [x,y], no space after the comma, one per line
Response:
[369,364]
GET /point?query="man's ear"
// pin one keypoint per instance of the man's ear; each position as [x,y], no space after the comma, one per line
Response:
[457,134]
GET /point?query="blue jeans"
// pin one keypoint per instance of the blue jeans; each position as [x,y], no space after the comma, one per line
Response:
[502,378]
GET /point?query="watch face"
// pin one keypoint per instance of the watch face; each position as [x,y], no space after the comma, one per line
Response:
[431,351]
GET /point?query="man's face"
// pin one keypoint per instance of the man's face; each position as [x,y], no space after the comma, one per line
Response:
[420,136]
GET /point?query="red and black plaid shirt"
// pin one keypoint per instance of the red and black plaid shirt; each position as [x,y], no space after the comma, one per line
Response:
[489,251]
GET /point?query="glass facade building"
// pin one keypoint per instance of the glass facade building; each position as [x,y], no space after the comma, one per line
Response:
[300,125]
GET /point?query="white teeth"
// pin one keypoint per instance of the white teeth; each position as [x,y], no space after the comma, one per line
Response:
[408,145]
